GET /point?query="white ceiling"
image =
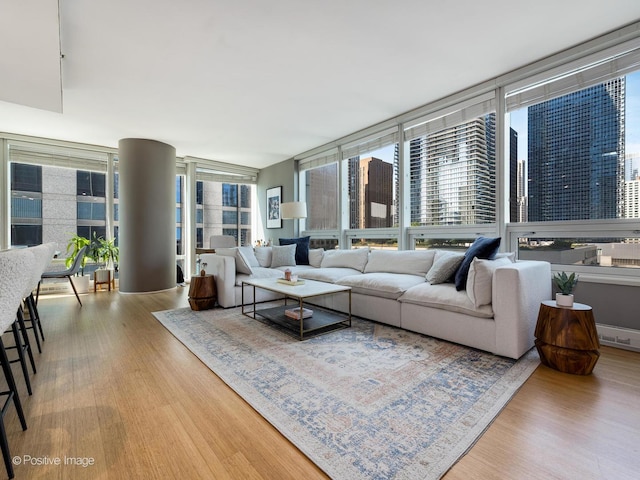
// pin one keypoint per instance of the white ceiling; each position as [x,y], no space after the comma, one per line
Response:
[255,82]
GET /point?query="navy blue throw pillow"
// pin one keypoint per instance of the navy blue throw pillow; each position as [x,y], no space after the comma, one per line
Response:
[302,248]
[483,248]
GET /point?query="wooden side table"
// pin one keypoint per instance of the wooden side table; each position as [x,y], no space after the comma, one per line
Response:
[202,292]
[566,338]
[109,280]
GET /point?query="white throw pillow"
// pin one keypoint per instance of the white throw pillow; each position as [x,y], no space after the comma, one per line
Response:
[480,277]
[315,256]
[283,256]
[356,258]
[411,262]
[444,266]
[250,256]
[242,264]
[263,255]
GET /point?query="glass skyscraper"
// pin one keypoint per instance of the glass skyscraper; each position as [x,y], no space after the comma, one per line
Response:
[576,155]
[453,174]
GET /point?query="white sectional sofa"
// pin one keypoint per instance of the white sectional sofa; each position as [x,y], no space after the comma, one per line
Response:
[497,311]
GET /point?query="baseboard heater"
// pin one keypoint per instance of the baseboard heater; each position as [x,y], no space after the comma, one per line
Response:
[619,337]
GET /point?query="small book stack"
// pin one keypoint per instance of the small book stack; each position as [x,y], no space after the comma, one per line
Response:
[290,282]
[295,313]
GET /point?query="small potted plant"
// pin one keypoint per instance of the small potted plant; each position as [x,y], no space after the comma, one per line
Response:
[566,284]
[106,254]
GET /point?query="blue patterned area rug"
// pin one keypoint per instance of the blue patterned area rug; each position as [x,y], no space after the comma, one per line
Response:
[368,402]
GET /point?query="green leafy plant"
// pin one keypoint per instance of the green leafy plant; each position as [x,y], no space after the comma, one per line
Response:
[73,247]
[103,252]
[565,283]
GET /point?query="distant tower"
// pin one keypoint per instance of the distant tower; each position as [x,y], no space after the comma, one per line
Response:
[370,193]
[576,155]
[452,175]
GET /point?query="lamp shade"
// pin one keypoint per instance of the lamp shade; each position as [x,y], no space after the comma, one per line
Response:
[293,210]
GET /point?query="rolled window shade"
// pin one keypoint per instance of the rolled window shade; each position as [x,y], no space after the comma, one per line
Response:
[224,178]
[578,78]
[371,143]
[319,160]
[448,118]
[54,156]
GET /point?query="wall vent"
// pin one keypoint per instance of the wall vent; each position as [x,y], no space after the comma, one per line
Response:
[619,337]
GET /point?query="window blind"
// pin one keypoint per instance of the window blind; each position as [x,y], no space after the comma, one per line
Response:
[213,176]
[558,83]
[452,116]
[319,160]
[213,171]
[370,143]
[51,155]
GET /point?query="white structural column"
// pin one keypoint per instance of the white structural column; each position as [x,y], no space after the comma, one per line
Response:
[147,215]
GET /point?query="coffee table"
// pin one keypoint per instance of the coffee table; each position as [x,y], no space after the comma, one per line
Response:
[321,321]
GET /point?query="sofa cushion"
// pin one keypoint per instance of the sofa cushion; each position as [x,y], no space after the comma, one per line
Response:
[250,256]
[510,255]
[446,297]
[480,277]
[295,269]
[258,272]
[302,248]
[444,266]
[329,275]
[263,255]
[283,256]
[411,262]
[381,284]
[355,258]
[242,264]
[482,247]
[315,257]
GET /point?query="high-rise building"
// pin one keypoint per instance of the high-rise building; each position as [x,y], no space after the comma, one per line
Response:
[453,175]
[370,193]
[576,155]
[521,194]
[322,197]
[632,166]
[632,198]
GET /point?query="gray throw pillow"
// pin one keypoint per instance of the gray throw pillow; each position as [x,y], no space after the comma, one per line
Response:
[283,256]
[263,255]
[444,267]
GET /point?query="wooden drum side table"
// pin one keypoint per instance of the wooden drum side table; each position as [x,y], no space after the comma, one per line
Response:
[566,338]
[202,292]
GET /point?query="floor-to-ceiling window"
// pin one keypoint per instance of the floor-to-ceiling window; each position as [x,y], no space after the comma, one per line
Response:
[372,191]
[26,205]
[578,164]
[223,209]
[61,190]
[91,206]
[451,163]
[319,187]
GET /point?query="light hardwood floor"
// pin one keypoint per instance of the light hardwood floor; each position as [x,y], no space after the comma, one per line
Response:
[116,389]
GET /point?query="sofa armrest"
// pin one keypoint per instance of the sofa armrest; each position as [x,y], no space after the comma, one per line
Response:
[517,291]
[223,268]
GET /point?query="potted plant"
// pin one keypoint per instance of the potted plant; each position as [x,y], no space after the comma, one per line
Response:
[566,284]
[106,254]
[77,242]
